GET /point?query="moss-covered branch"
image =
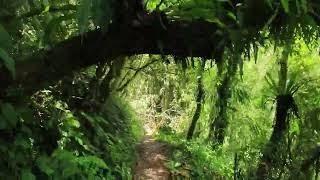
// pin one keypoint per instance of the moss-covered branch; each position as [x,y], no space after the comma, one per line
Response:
[181,38]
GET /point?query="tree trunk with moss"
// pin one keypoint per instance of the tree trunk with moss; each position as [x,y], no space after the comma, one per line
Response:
[198,101]
[274,152]
[220,120]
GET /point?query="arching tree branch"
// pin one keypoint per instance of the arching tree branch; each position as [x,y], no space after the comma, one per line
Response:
[47,66]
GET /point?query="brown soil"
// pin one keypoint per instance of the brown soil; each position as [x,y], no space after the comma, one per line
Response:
[152,156]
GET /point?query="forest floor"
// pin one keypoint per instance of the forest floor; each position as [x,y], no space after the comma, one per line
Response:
[152,156]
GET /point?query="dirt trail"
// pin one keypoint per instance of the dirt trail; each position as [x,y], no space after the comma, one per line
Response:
[152,156]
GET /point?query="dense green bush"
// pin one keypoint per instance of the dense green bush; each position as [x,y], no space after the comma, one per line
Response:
[82,145]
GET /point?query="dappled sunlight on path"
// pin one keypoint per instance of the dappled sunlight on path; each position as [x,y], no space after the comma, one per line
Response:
[151,160]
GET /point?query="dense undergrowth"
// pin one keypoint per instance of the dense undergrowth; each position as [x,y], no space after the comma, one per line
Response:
[53,142]
[196,160]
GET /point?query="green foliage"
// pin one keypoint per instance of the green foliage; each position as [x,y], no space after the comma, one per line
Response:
[87,146]
[64,132]
[5,39]
[196,160]
[9,116]
[285,5]
[65,165]
[83,15]
[100,11]
[5,45]
[7,61]
[103,13]
[53,26]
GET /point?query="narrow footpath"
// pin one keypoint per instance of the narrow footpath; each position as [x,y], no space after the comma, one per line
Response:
[152,156]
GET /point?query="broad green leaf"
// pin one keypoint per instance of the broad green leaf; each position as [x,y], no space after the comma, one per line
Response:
[218,22]
[43,162]
[73,122]
[3,123]
[83,15]
[46,9]
[304,5]
[9,114]
[177,164]
[295,127]
[285,5]
[8,62]
[232,16]
[46,6]
[5,39]
[22,141]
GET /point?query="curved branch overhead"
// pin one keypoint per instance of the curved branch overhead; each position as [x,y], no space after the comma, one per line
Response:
[139,32]
[46,66]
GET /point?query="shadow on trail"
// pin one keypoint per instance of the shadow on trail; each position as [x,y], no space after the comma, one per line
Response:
[152,156]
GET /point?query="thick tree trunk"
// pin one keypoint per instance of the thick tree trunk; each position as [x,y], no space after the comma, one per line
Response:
[220,121]
[199,103]
[273,153]
[181,38]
